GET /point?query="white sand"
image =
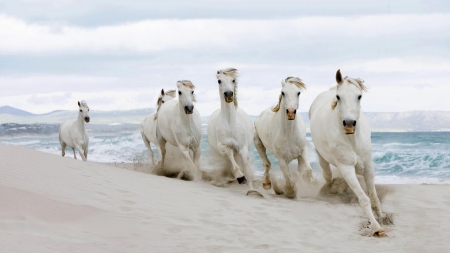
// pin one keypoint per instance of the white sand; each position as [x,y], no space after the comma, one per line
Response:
[54,204]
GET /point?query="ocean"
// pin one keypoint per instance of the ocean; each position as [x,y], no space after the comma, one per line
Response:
[399,158]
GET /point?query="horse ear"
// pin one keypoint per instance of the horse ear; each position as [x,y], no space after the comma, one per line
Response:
[339,77]
[283,82]
[162,92]
[79,103]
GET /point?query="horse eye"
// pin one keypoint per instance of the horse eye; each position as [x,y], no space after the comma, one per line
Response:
[219,81]
[338,98]
[234,80]
[282,93]
[192,92]
[179,93]
[80,110]
[298,94]
[359,97]
[163,102]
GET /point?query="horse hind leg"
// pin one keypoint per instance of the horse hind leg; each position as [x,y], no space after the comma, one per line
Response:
[305,167]
[63,148]
[74,154]
[262,152]
[86,152]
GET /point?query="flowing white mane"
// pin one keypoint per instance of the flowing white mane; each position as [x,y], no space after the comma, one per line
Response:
[295,80]
[358,82]
[186,83]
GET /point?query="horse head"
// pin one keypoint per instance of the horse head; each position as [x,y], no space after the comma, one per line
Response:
[290,96]
[186,95]
[84,111]
[227,80]
[348,100]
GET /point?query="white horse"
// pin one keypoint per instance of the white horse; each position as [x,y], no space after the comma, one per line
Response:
[179,123]
[341,135]
[74,134]
[148,125]
[230,129]
[283,134]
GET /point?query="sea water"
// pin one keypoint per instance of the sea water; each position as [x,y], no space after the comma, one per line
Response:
[407,157]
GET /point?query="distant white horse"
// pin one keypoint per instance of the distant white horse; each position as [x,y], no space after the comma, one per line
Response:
[341,134]
[179,123]
[230,129]
[283,134]
[149,124]
[74,134]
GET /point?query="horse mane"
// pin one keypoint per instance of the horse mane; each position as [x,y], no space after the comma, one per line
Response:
[277,107]
[295,80]
[170,93]
[358,82]
[231,72]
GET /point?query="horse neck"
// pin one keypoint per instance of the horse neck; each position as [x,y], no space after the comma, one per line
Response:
[289,126]
[80,121]
[228,110]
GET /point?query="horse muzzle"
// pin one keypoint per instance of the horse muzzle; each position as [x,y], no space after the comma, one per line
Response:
[349,126]
[189,109]
[87,119]
[228,95]
[291,114]
[349,130]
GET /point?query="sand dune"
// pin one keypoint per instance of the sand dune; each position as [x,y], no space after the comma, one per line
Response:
[54,204]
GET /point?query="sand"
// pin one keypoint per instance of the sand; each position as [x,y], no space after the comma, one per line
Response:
[54,204]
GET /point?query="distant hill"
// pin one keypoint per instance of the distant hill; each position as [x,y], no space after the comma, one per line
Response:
[14,115]
[379,121]
[14,111]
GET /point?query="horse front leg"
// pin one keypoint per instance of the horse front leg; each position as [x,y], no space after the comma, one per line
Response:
[262,152]
[369,179]
[162,147]
[86,149]
[290,186]
[326,168]
[225,150]
[304,166]
[243,153]
[188,159]
[81,152]
[349,174]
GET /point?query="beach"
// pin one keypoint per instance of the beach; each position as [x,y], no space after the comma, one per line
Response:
[55,204]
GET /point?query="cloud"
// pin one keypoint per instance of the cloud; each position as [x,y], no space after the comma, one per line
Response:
[20,37]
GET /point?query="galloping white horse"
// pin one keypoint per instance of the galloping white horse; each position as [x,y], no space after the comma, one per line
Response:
[283,134]
[230,129]
[148,125]
[179,123]
[341,134]
[74,134]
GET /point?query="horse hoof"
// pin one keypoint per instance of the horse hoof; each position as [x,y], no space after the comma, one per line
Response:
[242,180]
[380,233]
[267,186]
[253,192]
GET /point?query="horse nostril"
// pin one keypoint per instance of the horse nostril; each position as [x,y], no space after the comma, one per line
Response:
[228,94]
[295,111]
[343,122]
[287,111]
[354,123]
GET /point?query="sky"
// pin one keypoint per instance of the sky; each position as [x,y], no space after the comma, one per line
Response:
[118,55]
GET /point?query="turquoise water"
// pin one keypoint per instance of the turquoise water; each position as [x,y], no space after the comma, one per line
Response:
[416,157]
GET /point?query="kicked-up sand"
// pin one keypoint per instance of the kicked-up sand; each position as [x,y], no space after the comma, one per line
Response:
[54,204]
